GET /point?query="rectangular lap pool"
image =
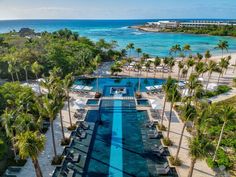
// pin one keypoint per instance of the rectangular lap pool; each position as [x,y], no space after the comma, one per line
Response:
[121,147]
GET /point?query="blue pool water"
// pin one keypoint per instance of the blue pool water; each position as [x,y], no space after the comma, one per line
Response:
[92,102]
[120,147]
[143,102]
[130,83]
[152,43]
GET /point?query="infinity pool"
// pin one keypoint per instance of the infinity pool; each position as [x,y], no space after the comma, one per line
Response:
[129,82]
[121,147]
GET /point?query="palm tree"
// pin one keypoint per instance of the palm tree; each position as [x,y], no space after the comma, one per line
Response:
[147,65]
[97,61]
[129,60]
[166,87]
[228,115]
[139,67]
[222,45]
[175,49]
[7,120]
[193,83]
[188,114]
[199,148]
[207,55]
[180,67]
[139,51]
[173,95]
[51,109]
[171,64]
[130,47]
[223,65]
[199,57]
[11,70]
[190,63]
[36,68]
[25,66]
[157,62]
[31,144]
[67,83]
[186,48]
[211,67]
[200,68]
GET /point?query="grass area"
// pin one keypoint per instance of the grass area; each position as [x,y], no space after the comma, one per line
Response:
[220,90]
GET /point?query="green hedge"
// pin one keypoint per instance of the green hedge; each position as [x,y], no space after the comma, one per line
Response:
[3,148]
[220,90]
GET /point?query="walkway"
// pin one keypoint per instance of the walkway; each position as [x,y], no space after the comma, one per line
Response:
[201,168]
[224,96]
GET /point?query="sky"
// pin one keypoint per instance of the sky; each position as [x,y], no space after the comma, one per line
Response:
[116,9]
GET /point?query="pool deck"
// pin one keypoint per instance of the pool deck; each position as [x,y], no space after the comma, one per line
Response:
[201,168]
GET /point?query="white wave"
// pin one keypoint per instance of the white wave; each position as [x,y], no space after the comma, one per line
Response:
[137,33]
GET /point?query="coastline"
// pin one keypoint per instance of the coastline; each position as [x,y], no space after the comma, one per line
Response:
[157,30]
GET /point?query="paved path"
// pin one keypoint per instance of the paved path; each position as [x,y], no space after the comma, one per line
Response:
[224,96]
[201,168]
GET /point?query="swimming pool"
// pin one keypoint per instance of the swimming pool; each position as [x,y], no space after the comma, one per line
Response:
[121,147]
[128,82]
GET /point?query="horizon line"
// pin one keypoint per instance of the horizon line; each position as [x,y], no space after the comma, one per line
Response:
[15,19]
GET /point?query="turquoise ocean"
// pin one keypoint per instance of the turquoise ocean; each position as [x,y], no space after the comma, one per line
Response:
[155,44]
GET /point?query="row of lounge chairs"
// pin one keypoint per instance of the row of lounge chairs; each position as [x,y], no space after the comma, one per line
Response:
[163,169]
[79,114]
[72,156]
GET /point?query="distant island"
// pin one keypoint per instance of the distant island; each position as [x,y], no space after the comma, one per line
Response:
[216,28]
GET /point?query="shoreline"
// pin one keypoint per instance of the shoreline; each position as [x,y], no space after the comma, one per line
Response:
[156,30]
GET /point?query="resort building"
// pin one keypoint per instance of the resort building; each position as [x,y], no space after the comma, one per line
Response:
[205,23]
[164,24]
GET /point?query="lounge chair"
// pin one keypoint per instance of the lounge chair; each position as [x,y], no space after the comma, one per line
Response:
[82,134]
[76,157]
[152,134]
[158,150]
[149,124]
[162,171]
[69,173]
[161,166]
[84,125]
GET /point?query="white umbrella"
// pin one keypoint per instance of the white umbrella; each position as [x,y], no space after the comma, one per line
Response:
[150,88]
[87,88]
[158,86]
[79,87]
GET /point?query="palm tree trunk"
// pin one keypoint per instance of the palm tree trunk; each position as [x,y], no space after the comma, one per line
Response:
[219,141]
[170,116]
[193,161]
[12,77]
[154,73]
[179,74]
[180,141]
[163,111]
[17,76]
[62,126]
[139,83]
[97,84]
[68,104]
[26,76]
[37,168]
[53,137]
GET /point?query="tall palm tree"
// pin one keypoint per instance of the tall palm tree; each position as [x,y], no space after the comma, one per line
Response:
[223,65]
[166,87]
[97,61]
[175,49]
[207,55]
[51,109]
[180,67]
[199,148]
[200,68]
[188,114]
[129,60]
[212,65]
[186,48]
[11,71]
[228,114]
[199,57]
[139,51]
[157,62]
[171,64]
[193,83]
[138,66]
[31,144]
[222,45]
[25,66]
[173,96]
[67,83]
[36,68]
[148,65]
[130,47]
[190,63]
[7,120]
